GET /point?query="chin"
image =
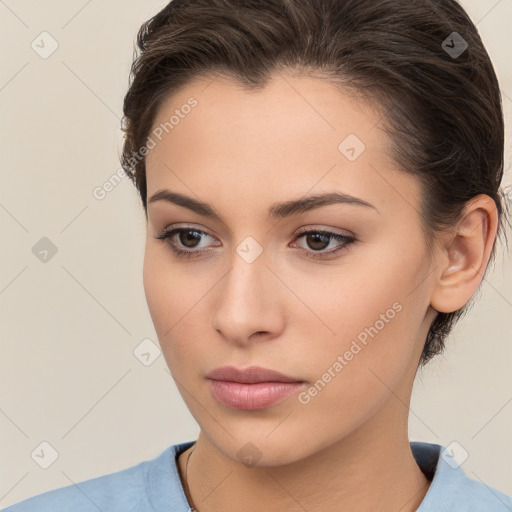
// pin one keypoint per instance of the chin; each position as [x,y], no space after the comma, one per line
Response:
[263,450]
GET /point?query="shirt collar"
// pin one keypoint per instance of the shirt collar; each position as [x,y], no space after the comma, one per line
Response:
[450,488]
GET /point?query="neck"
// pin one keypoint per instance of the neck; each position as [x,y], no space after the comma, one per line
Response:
[370,469]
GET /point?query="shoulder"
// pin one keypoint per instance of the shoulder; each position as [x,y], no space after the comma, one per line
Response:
[451,488]
[479,494]
[127,490]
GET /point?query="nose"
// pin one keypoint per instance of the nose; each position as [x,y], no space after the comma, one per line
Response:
[248,305]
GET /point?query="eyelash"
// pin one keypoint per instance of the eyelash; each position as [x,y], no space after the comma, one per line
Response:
[166,236]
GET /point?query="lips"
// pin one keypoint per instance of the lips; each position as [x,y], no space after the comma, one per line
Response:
[250,375]
[252,388]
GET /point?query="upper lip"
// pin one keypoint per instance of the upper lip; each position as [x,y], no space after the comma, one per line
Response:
[249,375]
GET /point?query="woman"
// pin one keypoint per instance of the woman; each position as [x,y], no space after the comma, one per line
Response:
[321,184]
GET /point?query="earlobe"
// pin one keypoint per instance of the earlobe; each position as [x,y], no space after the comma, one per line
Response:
[465,255]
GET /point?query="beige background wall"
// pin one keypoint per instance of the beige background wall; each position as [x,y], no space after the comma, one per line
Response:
[69,327]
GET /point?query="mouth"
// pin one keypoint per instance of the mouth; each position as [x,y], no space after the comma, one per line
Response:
[250,375]
[252,388]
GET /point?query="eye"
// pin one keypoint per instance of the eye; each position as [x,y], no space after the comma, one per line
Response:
[190,238]
[187,237]
[317,239]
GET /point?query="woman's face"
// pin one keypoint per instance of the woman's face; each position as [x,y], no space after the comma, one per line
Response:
[349,327]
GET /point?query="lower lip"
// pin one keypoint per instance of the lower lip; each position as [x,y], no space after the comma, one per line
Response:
[252,396]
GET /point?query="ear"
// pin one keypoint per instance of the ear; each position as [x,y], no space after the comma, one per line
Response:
[465,254]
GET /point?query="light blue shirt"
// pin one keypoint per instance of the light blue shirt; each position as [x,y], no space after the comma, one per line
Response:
[154,486]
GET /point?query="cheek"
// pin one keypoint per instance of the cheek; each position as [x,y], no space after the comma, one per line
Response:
[353,372]
[167,286]
[372,311]
[176,302]
[162,287]
[158,288]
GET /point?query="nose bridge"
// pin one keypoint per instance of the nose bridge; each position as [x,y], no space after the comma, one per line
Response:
[244,283]
[243,305]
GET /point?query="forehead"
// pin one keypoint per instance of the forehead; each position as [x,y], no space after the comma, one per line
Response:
[295,134]
[288,106]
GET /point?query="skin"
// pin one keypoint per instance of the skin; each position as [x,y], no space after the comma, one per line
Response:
[240,151]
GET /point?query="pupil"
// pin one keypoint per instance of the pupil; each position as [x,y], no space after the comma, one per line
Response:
[189,238]
[316,236]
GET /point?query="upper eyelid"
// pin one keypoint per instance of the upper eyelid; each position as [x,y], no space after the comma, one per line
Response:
[315,228]
[302,231]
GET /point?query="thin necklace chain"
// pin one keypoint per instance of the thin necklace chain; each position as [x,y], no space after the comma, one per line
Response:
[193,509]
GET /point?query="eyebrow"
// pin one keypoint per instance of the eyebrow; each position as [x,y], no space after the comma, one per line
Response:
[276,210]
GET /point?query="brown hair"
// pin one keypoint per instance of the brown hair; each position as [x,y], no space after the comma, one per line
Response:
[441,101]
